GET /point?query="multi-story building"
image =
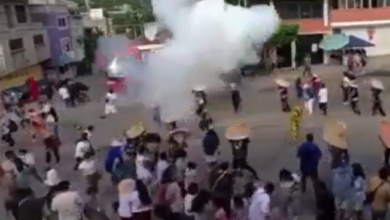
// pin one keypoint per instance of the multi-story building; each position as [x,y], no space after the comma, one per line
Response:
[77,34]
[24,44]
[55,17]
[368,20]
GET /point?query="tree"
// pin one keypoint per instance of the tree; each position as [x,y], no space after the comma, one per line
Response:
[90,47]
[284,35]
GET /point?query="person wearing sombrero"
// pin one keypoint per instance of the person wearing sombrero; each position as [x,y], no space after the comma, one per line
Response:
[238,136]
[354,97]
[376,91]
[334,135]
[134,135]
[282,86]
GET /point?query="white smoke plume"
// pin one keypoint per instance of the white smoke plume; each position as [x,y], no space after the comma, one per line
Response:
[209,38]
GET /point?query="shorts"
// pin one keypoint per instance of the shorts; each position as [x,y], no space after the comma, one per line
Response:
[109,109]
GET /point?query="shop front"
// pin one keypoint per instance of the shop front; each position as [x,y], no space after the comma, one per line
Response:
[20,77]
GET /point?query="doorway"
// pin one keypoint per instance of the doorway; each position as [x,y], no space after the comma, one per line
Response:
[308,44]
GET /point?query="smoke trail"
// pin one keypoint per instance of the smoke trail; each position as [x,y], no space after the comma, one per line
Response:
[209,38]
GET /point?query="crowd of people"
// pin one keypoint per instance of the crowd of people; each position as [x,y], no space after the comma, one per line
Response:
[155,178]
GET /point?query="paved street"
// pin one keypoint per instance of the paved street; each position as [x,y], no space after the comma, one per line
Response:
[270,148]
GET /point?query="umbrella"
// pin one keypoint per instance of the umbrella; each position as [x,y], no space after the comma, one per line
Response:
[342,41]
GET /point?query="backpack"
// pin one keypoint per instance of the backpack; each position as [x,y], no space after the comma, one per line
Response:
[13,127]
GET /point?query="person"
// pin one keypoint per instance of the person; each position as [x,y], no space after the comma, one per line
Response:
[83,146]
[259,209]
[190,175]
[200,98]
[180,166]
[52,178]
[240,208]
[173,195]
[376,91]
[65,95]
[192,191]
[309,155]
[298,87]
[236,97]
[125,188]
[109,107]
[220,213]
[29,207]
[52,146]
[345,87]
[205,120]
[67,204]
[283,94]
[140,202]
[383,137]
[354,97]
[308,95]
[222,185]
[288,194]
[29,159]
[114,155]
[378,194]
[342,188]
[325,203]
[162,165]
[359,187]
[201,206]
[210,145]
[6,132]
[307,65]
[323,99]
[89,171]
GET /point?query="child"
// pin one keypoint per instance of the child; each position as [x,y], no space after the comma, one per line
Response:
[190,175]
[192,191]
[240,208]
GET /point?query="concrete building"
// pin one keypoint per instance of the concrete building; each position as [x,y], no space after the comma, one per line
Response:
[77,34]
[368,20]
[24,44]
[55,17]
[96,19]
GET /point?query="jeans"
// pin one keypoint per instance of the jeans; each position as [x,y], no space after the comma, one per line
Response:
[314,178]
[52,151]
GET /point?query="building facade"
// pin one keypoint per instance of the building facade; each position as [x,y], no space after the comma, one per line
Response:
[55,17]
[77,35]
[365,19]
[24,44]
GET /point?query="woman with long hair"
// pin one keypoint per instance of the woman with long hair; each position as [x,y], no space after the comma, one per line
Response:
[140,202]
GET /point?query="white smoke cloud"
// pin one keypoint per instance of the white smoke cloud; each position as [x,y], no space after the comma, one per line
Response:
[209,38]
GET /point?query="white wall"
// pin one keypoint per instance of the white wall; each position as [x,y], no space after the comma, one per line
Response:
[381,38]
[32,54]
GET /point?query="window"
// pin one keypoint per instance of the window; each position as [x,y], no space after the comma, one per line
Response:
[62,22]
[299,9]
[16,44]
[38,39]
[65,45]
[350,4]
[21,14]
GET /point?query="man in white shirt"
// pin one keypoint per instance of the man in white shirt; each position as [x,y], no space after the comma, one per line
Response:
[259,208]
[65,95]
[109,106]
[68,205]
[323,99]
[90,171]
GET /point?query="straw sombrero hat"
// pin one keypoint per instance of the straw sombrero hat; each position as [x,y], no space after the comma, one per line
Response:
[384,132]
[282,82]
[135,131]
[237,131]
[335,134]
[377,84]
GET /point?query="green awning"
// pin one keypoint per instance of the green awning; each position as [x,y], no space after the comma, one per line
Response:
[334,42]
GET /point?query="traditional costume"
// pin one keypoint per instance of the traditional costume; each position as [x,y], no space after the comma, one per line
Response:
[236,97]
[177,140]
[384,137]
[376,89]
[345,87]
[283,94]
[354,97]
[335,135]
[238,136]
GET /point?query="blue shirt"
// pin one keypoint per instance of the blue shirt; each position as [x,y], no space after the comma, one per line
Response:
[309,154]
[308,93]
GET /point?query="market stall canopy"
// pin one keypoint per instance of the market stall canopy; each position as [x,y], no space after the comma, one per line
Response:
[342,41]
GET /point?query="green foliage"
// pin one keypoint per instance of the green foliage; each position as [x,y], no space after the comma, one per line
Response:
[285,35]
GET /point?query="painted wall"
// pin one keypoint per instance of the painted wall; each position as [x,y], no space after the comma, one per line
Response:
[49,15]
[380,38]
